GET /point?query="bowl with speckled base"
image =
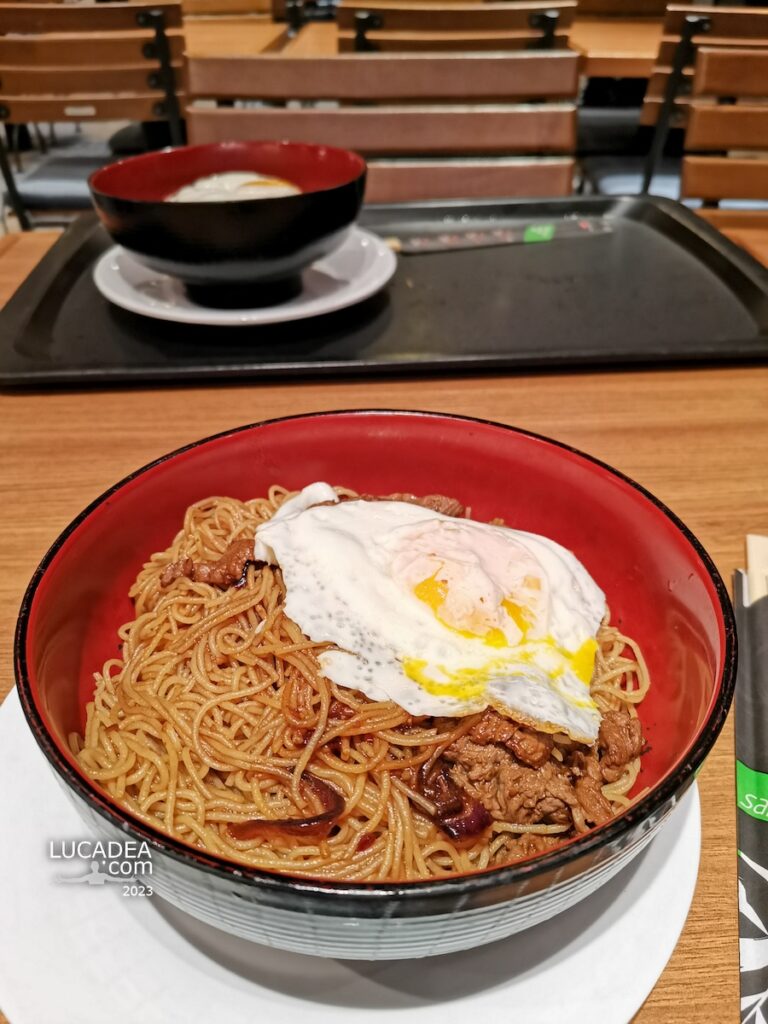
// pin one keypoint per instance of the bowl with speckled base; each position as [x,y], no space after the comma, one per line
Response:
[662,588]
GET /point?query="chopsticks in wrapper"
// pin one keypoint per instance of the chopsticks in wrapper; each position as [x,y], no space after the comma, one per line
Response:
[453,235]
[751,702]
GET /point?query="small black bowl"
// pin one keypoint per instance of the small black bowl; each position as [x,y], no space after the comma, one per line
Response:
[219,249]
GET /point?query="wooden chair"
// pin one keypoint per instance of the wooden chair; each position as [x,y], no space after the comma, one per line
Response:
[302,12]
[402,25]
[623,8]
[205,7]
[728,133]
[685,29]
[441,126]
[667,98]
[85,62]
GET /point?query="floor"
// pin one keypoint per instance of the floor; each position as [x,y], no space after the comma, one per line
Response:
[63,138]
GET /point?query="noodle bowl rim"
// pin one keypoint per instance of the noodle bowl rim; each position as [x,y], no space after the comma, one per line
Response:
[675,782]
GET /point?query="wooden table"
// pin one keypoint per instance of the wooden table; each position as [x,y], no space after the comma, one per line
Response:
[233,35]
[617,47]
[747,228]
[698,438]
[316,39]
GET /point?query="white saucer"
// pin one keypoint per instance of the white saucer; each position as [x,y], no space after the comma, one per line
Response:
[90,954]
[358,268]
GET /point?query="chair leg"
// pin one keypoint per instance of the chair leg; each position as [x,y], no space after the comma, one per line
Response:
[40,138]
[12,133]
[13,193]
[546,23]
[294,10]
[365,22]
[693,25]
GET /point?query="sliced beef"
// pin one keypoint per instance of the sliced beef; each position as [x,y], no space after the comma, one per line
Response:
[225,571]
[529,746]
[620,741]
[436,502]
[589,788]
[511,791]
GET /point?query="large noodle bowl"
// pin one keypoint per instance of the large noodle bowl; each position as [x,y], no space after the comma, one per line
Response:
[219,725]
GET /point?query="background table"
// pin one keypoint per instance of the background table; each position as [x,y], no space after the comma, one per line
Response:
[232,35]
[617,47]
[698,438]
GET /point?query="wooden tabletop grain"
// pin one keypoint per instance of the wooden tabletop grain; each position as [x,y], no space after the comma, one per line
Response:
[698,438]
[233,35]
[617,47]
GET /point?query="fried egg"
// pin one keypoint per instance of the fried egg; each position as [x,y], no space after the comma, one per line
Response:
[443,616]
[218,188]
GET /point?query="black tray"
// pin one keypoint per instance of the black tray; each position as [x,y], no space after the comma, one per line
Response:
[659,286]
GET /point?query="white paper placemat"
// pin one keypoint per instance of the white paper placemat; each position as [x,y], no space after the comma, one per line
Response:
[90,955]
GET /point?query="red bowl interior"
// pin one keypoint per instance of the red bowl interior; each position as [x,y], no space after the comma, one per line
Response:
[152,177]
[661,587]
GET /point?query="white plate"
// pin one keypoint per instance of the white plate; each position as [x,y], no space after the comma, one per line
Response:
[360,266]
[90,954]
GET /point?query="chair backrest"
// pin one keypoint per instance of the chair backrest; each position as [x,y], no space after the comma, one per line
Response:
[90,61]
[685,29]
[728,121]
[623,8]
[226,6]
[402,25]
[458,124]
[707,26]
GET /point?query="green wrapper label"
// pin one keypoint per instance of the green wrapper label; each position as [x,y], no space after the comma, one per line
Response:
[752,791]
[539,233]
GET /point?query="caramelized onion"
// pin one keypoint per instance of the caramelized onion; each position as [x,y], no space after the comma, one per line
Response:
[471,820]
[457,813]
[366,840]
[316,825]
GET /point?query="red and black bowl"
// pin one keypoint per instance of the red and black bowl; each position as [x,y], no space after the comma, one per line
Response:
[245,243]
[662,587]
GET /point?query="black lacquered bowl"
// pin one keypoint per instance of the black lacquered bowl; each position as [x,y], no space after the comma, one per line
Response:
[245,243]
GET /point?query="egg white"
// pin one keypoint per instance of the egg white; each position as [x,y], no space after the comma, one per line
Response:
[352,572]
[233,185]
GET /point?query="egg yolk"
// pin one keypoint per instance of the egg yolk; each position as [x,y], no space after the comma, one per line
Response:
[520,615]
[467,684]
[433,593]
